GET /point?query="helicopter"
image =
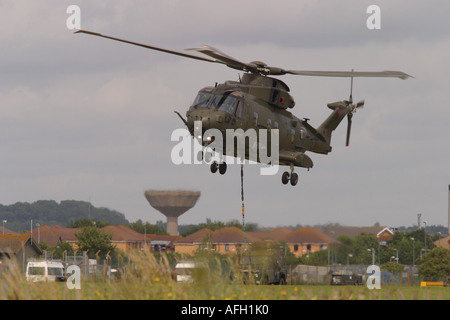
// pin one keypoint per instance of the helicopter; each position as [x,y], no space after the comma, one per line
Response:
[260,101]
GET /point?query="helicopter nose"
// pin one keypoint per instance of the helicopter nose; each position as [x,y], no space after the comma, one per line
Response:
[192,117]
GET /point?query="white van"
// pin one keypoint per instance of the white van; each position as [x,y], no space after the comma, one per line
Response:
[188,270]
[45,270]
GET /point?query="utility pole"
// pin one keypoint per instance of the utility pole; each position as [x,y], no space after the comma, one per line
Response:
[425,232]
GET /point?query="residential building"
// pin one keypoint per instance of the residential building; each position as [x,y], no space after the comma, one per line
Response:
[443,242]
[228,240]
[381,233]
[18,248]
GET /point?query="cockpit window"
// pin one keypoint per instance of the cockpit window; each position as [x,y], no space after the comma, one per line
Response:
[229,104]
[216,101]
[202,100]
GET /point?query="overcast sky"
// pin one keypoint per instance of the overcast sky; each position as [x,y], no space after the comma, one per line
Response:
[90,119]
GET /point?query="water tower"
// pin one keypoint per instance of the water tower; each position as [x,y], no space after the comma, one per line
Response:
[172,204]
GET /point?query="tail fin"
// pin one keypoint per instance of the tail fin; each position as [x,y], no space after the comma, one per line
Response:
[340,110]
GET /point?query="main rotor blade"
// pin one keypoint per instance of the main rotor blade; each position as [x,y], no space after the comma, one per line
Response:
[348,74]
[186,55]
[222,57]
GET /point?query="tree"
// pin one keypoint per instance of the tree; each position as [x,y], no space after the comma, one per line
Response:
[345,247]
[218,225]
[49,212]
[392,267]
[94,239]
[147,228]
[362,244]
[85,222]
[435,264]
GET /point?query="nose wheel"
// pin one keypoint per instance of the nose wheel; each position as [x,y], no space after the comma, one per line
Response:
[222,167]
[292,177]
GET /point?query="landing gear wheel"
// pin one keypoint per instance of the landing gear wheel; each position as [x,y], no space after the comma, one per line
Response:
[207,157]
[294,178]
[214,167]
[222,168]
[285,177]
[200,156]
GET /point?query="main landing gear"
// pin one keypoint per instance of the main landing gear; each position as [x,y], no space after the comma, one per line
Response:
[293,177]
[222,167]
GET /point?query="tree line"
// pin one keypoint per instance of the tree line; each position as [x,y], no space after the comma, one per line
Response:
[50,212]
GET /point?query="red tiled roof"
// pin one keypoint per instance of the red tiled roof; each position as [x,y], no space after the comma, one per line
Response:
[122,233]
[4,230]
[161,237]
[308,235]
[51,235]
[232,235]
[336,231]
[277,234]
[196,237]
[11,243]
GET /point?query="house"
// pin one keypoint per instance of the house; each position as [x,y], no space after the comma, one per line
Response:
[160,243]
[18,248]
[122,237]
[230,239]
[443,242]
[5,230]
[224,240]
[381,233]
[198,240]
[307,240]
[52,235]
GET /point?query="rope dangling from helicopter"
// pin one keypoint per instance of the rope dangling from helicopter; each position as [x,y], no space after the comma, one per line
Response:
[242,198]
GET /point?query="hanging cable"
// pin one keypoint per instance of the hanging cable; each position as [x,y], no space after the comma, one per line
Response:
[242,198]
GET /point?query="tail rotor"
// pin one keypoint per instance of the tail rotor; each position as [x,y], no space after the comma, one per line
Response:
[352,110]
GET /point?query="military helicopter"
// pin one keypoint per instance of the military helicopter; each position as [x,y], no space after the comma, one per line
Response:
[258,101]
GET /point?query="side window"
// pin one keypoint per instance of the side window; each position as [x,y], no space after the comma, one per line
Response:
[216,101]
[239,109]
[202,99]
[255,119]
[302,133]
[275,96]
[292,135]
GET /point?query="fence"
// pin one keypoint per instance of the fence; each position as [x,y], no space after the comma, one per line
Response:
[100,268]
[321,275]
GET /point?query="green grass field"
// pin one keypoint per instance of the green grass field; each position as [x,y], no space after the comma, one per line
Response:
[151,281]
[160,290]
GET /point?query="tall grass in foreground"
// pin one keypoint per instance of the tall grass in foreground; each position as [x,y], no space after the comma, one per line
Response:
[150,278]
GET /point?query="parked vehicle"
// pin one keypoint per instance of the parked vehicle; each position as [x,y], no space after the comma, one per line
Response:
[264,265]
[346,280]
[45,270]
[190,271]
